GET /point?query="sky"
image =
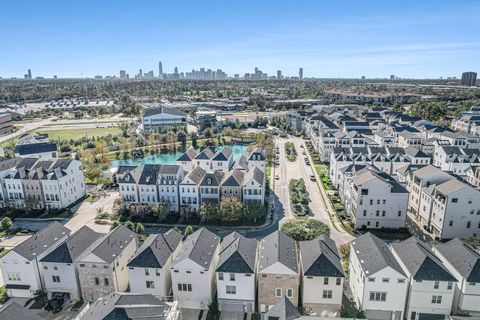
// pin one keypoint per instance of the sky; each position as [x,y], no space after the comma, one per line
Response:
[328,38]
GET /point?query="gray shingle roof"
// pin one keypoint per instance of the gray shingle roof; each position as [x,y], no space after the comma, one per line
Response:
[112,244]
[41,241]
[374,254]
[205,154]
[420,261]
[463,257]
[156,250]
[283,310]
[212,179]
[320,258]
[237,254]
[199,247]
[196,175]
[255,174]
[6,164]
[189,155]
[278,247]
[169,169]
[73,247]
[149,174]
[223,155]
[233,178]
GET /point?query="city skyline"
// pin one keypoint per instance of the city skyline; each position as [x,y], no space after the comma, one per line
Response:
[329,40]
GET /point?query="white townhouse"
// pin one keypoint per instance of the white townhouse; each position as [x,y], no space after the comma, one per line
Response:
[236,274]
[256,158]
[223,160]
[103,269]
[453,208]
[21,271]
[127,178]
[254,186]
[13,182]
[455,159]
[375,200]
[62,182]
[323,277]
[463,262]
[378,283]
[59,268]
[189,189]
[431,285]
[147,184]
[193,270]
[204,158]
[278,270]
[169,177]
[186,160]
[7,166]
[149,269]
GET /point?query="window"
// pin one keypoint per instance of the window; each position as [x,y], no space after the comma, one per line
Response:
[401,280]
[278,292]
[150,284]
[231,289]
[325,281]
[436,299]
[450,223]
[56,278]
[157,272]
[469,224]
[14,276]
[45,267]
[455,200]
[147,272]
[385,280]
[105,281]
[327,294]
[371,279]
[364,192]
[378,296]
[289,293]
[189,287]
[449,285]
[97,281]
[232,276]
[339,281]
[436,284]
[220,276]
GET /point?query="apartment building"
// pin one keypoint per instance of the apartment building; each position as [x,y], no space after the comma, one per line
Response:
[6,124]
[431,285]
[379,284]
[149,269]
[463,262]
[278,270]
[236,274]
[21,270]
[193,270]
[323,277]
[59,266]
[103,269]
[375,200]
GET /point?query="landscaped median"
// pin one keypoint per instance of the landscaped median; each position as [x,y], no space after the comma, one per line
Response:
[299,198]
[290,151]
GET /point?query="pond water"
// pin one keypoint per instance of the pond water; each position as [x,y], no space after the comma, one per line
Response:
[170,158]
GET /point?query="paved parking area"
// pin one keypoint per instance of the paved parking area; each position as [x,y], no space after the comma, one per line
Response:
[232,316]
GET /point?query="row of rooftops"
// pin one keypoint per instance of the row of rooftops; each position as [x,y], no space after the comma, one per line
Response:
[367,173]
[419,258]
[35,168]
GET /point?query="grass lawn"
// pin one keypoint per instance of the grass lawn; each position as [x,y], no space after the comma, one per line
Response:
[75,134]
[92,198]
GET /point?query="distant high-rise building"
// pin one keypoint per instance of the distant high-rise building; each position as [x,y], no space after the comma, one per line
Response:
[140,73]
[279,74]
[123,75]
[469,79]
[392,77]
[160,70]
[363,77]
[55,76]
[175,70]
[28,75]
[300,73]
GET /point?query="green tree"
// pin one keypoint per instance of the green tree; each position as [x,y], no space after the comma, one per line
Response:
[188,231]
[194,138]
[208,133]
[6,223]
[231,209]
[130,225]
[182,137]
[115,223]
[208,212]
[140,229]
[305,229]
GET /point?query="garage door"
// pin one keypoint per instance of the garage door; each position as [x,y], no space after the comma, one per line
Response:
[431,316]
[378,315]
[231,307]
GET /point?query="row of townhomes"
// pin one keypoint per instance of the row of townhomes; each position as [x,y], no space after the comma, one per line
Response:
[412,280]
[199,176]
[388,166]
[245,274]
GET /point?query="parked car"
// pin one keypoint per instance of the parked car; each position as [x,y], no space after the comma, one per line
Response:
[312,178]
[277,177]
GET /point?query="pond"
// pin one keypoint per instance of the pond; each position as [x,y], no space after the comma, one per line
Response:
[170,158]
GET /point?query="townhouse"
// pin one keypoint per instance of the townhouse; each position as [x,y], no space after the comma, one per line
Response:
[103,269]
[193,270]
[21,270]
[210,187]
[169,179]
[431,285]
[375,200]
[254,186]
[456,160]
[190,191]
[323,276]
[236,274]
[59,266]
[186,159]
[232,182]
[378,283]
[278,270]
[463,262]
[222,160]
[149,269]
